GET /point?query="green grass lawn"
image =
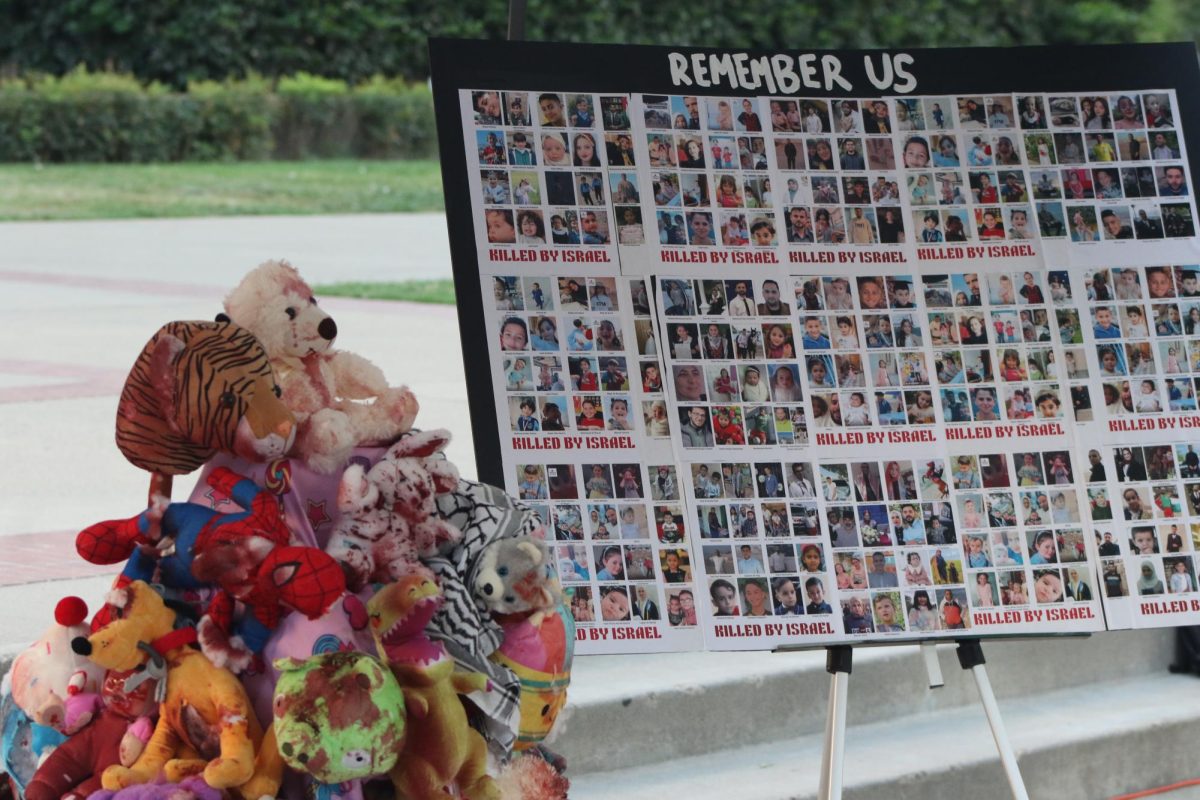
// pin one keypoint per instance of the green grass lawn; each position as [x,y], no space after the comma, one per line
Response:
[122,191]
[433,291]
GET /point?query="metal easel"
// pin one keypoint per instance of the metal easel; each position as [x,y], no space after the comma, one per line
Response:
[839,662]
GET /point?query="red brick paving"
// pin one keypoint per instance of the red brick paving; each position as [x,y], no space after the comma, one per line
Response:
[36,557]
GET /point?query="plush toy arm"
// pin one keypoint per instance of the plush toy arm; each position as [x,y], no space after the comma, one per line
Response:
[111,541]
[434,535]
[268,769]
[216,642]
[239,488]
[354,554]
[253,633]
[415,703]
[235,765]
[62,770]
[468,682]
[81,708]
[444,473]
[82,791]
[159,750]
[356,378]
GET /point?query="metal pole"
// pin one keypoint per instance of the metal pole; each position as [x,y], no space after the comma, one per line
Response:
[970,656]
[933,668]
[838,663]
[516,20]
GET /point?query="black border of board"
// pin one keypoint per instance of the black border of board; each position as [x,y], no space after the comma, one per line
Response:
[476,64]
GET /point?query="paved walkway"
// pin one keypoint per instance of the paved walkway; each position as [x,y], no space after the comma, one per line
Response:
[77,302]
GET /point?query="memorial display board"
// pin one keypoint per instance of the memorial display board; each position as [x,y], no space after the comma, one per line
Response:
[806,348]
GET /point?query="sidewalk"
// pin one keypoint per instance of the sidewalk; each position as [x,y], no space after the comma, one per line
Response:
[78,301]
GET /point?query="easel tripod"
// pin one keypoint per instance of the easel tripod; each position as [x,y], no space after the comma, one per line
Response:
[839,662]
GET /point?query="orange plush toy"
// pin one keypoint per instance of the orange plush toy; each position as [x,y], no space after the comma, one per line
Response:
[205,724]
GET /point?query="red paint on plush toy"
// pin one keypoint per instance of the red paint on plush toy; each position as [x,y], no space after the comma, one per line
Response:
[347,697]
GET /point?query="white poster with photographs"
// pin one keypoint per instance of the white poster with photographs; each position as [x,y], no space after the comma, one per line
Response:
[1026,179]
[553,177]
[585,441]
[924,368]
[1138,333]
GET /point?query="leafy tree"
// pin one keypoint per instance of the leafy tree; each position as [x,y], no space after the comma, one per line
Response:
[176,41]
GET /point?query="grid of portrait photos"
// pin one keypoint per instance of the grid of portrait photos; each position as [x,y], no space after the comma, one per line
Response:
[577,357]
[569,363]
[733,365]
[837,158]
[708,170]
[555,168]
[1144,502]
[759,172]
[1004,345]
[1142,328]
[760,539]
[863,342]
[998,167]
[1021,528]
[897,557]
[620,540]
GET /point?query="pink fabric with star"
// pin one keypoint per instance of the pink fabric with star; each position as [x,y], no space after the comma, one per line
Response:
[309,498]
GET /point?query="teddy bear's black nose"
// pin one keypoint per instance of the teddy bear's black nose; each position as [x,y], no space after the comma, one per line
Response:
[487,589]
[81,645]
[327,329]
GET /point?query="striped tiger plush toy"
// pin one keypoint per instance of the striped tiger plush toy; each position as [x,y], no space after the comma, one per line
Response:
[199,388]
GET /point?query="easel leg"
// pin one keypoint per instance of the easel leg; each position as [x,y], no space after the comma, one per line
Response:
[838,663]
[970,656]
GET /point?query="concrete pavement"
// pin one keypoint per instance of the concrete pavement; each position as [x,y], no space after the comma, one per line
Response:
[211,251]
[78,301]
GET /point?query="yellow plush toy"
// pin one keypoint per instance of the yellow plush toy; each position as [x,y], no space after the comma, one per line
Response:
[442,748]
[205,725]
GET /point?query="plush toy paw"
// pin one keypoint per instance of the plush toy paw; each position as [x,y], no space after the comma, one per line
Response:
[401,406]
[258,788]
[118,777]
[134,741]
[179,769]
[80,709]
[222,650]
[327,441]
[226,773]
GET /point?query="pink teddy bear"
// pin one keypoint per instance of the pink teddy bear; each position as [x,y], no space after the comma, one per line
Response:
[389,519]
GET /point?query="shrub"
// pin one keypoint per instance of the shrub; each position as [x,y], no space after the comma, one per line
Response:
[395,120]
[84,116]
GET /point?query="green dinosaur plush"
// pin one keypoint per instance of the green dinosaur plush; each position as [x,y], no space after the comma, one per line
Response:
[338,716]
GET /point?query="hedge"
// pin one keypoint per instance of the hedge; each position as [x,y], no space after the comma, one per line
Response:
[85,116]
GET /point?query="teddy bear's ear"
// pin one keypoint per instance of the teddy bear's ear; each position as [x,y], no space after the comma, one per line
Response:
[535,552]
[222,317]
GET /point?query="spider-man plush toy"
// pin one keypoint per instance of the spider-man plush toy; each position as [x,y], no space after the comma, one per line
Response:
[246,555]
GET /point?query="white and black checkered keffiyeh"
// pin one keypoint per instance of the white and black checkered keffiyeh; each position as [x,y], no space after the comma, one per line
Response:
[485,515]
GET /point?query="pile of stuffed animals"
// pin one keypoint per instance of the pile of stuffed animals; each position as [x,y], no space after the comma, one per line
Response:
[334,612]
